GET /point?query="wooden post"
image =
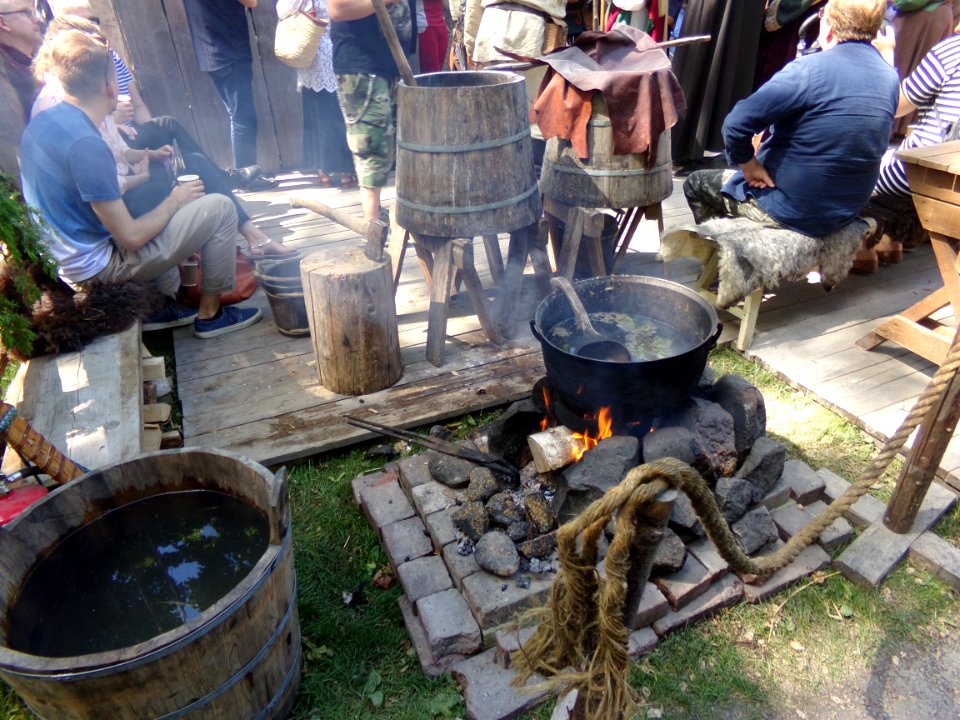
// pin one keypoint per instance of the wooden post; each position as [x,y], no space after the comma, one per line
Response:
[650,521]
[935,433]
[353,320]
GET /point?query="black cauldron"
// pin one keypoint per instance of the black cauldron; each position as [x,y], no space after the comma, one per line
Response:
[635,391]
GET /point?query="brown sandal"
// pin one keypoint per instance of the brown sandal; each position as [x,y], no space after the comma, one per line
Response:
[348,180]
[323,179]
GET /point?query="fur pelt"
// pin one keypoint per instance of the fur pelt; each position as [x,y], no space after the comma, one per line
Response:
[65,321]
[753,256]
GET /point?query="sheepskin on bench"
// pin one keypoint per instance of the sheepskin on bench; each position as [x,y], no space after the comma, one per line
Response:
[747,257]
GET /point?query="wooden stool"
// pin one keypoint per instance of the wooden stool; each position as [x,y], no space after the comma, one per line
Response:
[583,227]
[736,252]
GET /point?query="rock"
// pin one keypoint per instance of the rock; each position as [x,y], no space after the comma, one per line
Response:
[451,471]
[675,442]
[734,496]
[706,381]
[671,552]
[745,404]
[684,519]
[503,510]
[763,466]
[539,547]
[508,435]
[518,531]
[471,519]
[496,553]
[539,513]
[713,430]
[755,530]
[440,432]
[483,484]
[599,470]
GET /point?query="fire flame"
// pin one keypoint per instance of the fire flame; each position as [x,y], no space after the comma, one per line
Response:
[604,430]
[545,422]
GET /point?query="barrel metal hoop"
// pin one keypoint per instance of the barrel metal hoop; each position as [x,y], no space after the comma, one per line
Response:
[509,202]
[223,616]
[7,418]
[242,672]
[576,170]
[278,696]
[488,145]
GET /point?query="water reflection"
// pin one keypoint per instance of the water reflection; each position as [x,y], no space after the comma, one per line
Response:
[136,572]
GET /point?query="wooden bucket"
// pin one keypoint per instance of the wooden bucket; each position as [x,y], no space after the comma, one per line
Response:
[605,180]
[240,658]
[464,155]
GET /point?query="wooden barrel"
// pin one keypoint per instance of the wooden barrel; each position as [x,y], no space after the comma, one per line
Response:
[464,155]
[605,180]
[239,658]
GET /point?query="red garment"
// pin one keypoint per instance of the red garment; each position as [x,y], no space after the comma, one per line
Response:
[432,43]
[634,77]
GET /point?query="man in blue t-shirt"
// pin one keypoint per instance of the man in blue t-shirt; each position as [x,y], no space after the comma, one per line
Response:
[830,116]
[70,176]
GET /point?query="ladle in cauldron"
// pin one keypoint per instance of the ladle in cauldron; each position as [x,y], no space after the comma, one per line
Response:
[592,345]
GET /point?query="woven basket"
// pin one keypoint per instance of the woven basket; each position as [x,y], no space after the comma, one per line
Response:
[298,39]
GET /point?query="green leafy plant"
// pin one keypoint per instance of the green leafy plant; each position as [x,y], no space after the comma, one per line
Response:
[25,262]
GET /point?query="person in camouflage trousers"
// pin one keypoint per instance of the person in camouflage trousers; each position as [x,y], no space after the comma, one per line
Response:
[367,79]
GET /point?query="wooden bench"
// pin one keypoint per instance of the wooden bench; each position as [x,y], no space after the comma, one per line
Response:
[88,404]
[740,258]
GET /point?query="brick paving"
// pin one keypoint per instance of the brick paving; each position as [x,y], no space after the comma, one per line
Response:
[462,619]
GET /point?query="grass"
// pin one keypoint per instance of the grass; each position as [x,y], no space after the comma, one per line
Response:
[739,664]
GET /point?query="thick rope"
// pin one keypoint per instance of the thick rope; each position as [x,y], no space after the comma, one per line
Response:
[581,641]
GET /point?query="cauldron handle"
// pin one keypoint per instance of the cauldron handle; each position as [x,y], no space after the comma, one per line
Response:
[712,340]
[536,333]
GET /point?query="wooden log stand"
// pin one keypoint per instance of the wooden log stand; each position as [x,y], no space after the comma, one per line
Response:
[353,321]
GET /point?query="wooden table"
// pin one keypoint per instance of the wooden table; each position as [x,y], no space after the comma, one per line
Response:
[934,176]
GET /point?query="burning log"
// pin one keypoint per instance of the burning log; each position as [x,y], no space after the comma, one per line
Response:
[555,448]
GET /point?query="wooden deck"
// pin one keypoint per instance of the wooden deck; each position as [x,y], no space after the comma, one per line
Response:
[256,391]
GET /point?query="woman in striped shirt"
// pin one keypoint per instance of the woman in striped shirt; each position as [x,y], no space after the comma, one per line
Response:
[933,88]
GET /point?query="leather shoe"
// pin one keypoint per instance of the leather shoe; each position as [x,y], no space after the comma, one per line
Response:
[260,183]
[241,177]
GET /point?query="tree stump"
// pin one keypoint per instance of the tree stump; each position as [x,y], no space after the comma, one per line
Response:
[353,320]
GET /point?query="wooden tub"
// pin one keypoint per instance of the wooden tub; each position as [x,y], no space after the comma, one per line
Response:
[239,658]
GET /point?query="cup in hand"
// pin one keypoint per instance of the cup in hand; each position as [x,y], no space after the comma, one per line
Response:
[188,272]
[181,179]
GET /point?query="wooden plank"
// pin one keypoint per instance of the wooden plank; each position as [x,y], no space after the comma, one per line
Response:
[297,435]
[88,404]
[301,391]
[279,84]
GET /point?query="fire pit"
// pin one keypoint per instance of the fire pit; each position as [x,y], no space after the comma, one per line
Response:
[473,551]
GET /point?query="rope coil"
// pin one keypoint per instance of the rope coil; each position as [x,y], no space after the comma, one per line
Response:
[581,641]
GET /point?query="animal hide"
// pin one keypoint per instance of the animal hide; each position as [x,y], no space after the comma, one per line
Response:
[752,256]
[65,321]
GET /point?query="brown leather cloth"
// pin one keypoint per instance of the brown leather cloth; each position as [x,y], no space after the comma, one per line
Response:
[634,77]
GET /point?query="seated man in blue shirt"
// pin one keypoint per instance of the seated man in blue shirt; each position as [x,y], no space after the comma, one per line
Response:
[70,176]
[830,116]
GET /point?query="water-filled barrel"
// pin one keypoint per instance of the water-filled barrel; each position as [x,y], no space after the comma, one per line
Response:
[237,658]
[605,180]
[464,155]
